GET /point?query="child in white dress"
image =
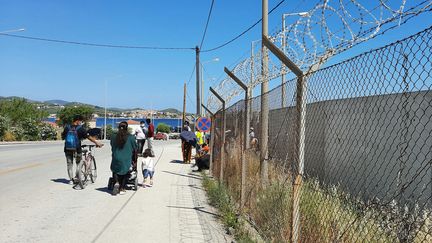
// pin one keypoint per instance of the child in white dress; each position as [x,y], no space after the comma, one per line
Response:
[148,167]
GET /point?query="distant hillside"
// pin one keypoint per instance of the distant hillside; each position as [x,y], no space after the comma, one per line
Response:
[57,102]
[53,106]
[15,97]
[171,110]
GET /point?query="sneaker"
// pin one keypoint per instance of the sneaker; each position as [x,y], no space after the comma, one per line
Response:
[122,192]
[116,189]
[73,181]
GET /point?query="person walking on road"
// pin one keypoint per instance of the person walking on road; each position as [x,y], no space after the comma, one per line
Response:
[148,167]
[141,137]
[123,146]
[73,134]
[150,135]
[188,140]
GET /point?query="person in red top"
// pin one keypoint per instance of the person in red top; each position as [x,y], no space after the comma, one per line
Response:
[150,135]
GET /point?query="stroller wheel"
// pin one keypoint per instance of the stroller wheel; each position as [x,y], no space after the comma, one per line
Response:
[135,184]
[110,183]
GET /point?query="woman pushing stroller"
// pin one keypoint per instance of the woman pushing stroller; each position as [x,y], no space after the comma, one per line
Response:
[123,146]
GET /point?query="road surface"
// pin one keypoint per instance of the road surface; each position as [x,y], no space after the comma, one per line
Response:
[38,205]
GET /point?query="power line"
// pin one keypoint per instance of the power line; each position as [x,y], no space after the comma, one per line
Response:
[190,78]
[244,32]
[208,20]
[96,44]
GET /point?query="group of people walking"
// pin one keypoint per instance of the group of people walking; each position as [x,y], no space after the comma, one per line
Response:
[126,147]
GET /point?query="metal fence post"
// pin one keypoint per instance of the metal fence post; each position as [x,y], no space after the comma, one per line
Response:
[298,165]
[212,117]
[222,156]
[263,143]
[245,136]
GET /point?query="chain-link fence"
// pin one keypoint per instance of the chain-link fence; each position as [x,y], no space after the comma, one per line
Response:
[367,153]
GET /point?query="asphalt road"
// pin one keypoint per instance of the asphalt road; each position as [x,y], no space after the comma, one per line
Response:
[38,205]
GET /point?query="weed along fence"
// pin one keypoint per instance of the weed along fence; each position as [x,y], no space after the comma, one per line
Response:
[366,147]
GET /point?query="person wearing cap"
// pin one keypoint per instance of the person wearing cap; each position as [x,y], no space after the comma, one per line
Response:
[76,125]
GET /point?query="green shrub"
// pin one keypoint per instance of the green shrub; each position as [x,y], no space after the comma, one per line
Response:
[18,133]
[162,127]
[30,128]
[109,131]
[218,197]
[4,125]
[47,132]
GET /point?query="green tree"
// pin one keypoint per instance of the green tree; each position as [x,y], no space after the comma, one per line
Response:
[20,119]
[18,109]
[162,127]
[66,115]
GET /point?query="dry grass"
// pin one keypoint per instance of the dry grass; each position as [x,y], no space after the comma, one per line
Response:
[9,137]
[327,214]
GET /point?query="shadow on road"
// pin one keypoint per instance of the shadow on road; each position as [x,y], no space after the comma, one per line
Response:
[200,209]
[103,189]
[176,161]
[188,175]
[61,180]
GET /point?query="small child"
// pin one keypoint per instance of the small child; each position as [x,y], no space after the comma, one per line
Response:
[148,167]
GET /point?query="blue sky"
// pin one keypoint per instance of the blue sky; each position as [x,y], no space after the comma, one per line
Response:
[135,78]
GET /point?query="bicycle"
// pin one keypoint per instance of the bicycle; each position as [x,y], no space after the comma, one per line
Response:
[87,166]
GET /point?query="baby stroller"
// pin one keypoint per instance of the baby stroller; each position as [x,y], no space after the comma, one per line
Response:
[132,175]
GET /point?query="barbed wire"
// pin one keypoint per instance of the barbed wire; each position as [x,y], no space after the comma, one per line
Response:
[367,161]
[318,36]
[244,32]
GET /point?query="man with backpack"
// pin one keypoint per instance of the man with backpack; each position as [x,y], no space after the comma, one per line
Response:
[73,134]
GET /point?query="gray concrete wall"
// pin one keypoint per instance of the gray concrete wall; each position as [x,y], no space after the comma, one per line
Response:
[379,146]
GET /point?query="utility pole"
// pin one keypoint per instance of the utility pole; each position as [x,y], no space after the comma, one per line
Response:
[198,93]
[184,105]
[264,99]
